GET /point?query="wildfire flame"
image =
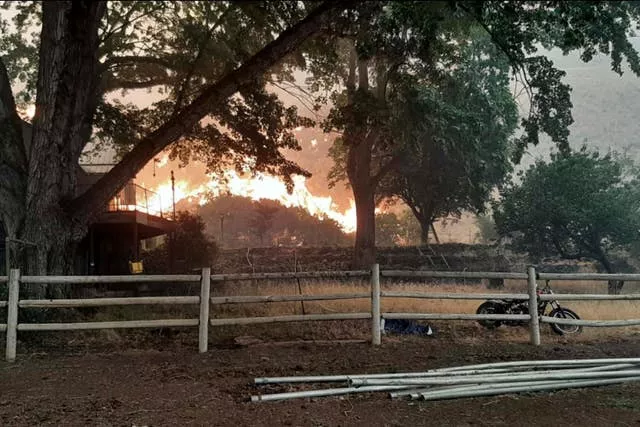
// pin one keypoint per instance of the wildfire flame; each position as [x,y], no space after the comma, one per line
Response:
[260,187]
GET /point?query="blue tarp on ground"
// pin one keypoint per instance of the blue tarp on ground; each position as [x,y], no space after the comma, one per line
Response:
[405,327]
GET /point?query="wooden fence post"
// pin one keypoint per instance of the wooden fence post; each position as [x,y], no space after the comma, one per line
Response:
[534,323]
[203,328]
[375,304]
[12,314]
[7,255]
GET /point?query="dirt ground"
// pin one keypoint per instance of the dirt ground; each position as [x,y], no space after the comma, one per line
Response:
[171,384]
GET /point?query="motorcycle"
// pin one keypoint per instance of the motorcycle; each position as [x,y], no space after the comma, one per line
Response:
[510,306]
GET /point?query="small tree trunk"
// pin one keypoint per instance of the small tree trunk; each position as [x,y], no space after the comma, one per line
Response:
[614,287]
[495,284]
[424,233]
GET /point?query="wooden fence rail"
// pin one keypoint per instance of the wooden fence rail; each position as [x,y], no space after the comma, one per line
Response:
[376,296]
[430,295]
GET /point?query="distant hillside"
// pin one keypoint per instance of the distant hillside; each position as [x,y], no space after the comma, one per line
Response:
[236,221]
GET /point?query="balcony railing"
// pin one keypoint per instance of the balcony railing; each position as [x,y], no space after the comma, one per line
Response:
[136,198]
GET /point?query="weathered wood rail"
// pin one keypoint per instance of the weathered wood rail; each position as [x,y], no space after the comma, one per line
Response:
[376,295]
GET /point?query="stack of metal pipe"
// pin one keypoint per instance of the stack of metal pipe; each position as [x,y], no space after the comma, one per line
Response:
[487,379]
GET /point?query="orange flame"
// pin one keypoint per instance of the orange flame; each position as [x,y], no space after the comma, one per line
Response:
[260,187]
[162,162]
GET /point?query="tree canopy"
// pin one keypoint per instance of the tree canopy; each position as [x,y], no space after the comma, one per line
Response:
[457,138]
[578,205]
[398,47]
[205,67]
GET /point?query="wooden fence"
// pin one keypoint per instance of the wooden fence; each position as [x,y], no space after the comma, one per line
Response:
[375,295]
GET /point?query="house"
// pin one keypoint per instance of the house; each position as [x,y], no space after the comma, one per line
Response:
[115,238]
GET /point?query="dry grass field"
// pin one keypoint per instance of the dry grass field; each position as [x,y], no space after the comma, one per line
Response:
[592,310]
[462,331]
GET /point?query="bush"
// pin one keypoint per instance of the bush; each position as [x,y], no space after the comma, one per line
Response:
[192,249]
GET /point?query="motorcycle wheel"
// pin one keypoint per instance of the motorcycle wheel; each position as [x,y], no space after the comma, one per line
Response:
[565,313]
[490,307]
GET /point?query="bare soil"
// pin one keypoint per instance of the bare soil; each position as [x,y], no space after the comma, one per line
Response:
[169,383]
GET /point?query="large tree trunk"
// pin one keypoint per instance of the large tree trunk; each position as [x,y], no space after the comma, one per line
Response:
[13,160]
[365,246]
[359,141]
[67,95]
[359,174]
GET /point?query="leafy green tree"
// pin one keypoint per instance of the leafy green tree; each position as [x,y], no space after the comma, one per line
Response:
[392,47]
[204,66]
[578,205]
[460,145]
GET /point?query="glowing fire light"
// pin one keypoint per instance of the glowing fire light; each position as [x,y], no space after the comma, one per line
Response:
[162,161]
[261,187]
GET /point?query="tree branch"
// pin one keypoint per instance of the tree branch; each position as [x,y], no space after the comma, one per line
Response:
[516,63]
[304,102]
[129,60]
[111,83]
[128,21]
[192,68]
[90,203]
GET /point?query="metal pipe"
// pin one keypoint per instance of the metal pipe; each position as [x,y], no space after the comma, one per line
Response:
[417,394]
[321,393]
[455,389]
[346,378]
[545,363]
[448,389]
[493,385]
[529,388]
[469,369]
[472,379]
